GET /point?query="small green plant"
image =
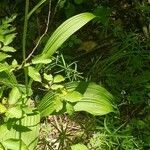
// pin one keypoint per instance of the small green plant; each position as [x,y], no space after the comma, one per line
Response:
[109,137]
[19,114]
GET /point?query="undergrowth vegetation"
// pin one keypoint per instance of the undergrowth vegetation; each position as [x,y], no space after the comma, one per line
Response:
[62,88]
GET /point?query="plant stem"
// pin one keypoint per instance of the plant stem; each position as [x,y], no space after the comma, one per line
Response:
[24,44]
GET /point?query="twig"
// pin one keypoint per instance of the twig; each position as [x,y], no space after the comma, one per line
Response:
[57,124]
[47,25]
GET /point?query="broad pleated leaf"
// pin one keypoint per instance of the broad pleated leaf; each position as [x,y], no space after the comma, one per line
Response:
[96,100]
[47,105]
[64,31]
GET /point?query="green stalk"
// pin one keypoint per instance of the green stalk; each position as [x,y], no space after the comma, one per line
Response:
[24,44]
[24,55]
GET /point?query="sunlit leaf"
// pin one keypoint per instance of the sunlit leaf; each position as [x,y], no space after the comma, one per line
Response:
[3,109]
[14,63]
[1,146]
[41,61]
[14,96]
[73,96]
[3,56]
[9,38]
[58,79]
[15,144]
[34,74]
[8,78]
[69,108]
[4,67]
[28,131]
[79,147]
[96,100]
[46,105]
[14,112]
[8,49]
[48,77]
[58,104]
[56,86]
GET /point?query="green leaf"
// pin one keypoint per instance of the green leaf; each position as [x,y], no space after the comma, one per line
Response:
[79,147]
[58,79]
[8,49]
[96,100]
[3,109]
[69,108]
[46,106]
[58,104]
[21,128]
[14,112]
[9,38]
[41,61]
[56,86]
[64,31]
[3,56]
[1,147]
[3,131]
[48,77]
[14,63]
[8,78]
[73,96]
[34,74]
[48,110]
[14,144]
[4,67]
[14,96]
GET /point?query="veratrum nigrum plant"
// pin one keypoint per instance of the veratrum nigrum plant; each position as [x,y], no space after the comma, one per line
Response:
[20,118]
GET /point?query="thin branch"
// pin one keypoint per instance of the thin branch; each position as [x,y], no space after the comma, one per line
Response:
[47,25]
